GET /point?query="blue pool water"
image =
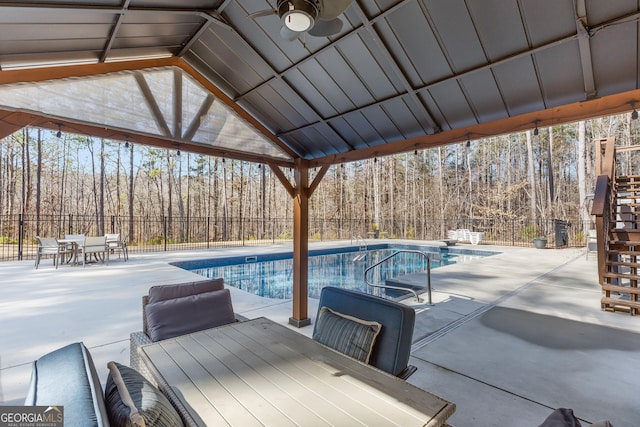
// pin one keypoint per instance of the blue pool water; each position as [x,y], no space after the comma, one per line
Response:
[271,275]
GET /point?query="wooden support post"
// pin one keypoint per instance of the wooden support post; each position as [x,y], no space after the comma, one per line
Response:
[301,191]
[300,245]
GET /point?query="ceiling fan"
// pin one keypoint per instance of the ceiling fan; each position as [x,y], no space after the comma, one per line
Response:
[317,18]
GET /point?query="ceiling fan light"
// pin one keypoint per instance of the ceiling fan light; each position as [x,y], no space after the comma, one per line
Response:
[297,21]
[297,15]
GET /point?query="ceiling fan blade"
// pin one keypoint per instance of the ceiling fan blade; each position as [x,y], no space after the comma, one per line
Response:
[262,13]
[326,28]
[287,34]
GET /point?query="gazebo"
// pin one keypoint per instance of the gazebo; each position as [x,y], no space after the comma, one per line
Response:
[354,80]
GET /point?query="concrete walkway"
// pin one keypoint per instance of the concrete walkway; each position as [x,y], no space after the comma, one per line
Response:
[509,338]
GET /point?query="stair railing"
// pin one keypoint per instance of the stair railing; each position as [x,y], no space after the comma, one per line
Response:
[399,288]
[604,198]
[601,210]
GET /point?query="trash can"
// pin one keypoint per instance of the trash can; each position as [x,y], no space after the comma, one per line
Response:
[562,232]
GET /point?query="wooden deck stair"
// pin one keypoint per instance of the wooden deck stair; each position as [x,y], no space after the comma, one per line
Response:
[622,248]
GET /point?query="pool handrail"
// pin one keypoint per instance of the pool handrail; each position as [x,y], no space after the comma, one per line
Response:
[385,286]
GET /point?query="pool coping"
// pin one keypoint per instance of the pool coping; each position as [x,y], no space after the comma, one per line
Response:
[226,260]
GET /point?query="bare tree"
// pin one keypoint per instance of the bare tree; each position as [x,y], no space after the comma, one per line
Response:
[100,213]
[27,170]
[38,181]
[505,177]
[552,196]
[531,178]
[582,183]
[131,236]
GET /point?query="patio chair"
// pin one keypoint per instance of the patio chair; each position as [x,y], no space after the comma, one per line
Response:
[94,245]
[177,309]
[49,246]
[79,238]
[391,346]
[114,244]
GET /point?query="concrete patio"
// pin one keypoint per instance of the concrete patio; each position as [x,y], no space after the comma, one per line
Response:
[509,338]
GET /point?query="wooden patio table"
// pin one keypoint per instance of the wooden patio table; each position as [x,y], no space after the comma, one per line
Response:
[259,372]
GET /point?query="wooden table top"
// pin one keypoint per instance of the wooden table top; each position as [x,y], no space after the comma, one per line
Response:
[259,372]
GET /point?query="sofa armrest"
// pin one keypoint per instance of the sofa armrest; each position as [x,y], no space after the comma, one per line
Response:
[67,377]
[407,372]
[240,317]
[137,340]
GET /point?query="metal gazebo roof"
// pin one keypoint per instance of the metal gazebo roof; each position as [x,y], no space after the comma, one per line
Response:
[400,75]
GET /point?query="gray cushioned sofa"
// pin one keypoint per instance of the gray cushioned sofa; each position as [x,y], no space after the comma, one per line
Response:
[67,377]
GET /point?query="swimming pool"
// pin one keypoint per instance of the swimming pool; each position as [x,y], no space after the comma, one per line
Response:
[271,275]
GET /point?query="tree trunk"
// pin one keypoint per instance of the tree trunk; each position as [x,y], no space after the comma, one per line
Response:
[39,182]
[376,194]
[224,200]
[131,237]
[582,182]
[550,160]
[29,177]
[169,196]
[95,184]
[179,199]
[24,168]
[531,179]
[441,193]
[263,200]
[118,189]
[63,180]
[102,185]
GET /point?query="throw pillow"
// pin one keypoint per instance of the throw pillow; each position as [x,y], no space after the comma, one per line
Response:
[165,292]
[180,316]
[133,401]
[564,417]
[346,334]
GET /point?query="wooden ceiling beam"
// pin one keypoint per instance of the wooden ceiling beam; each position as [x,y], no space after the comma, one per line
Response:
[235,107]
[82,70]
[11,121]
[87,70]
[598,107]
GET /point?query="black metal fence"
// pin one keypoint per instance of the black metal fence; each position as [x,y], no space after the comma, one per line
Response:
[146,234]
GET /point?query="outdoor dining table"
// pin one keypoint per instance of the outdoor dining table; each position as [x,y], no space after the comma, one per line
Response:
[73,244]
[259,372]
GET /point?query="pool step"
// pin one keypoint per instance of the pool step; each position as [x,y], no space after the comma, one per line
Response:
[415,281]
